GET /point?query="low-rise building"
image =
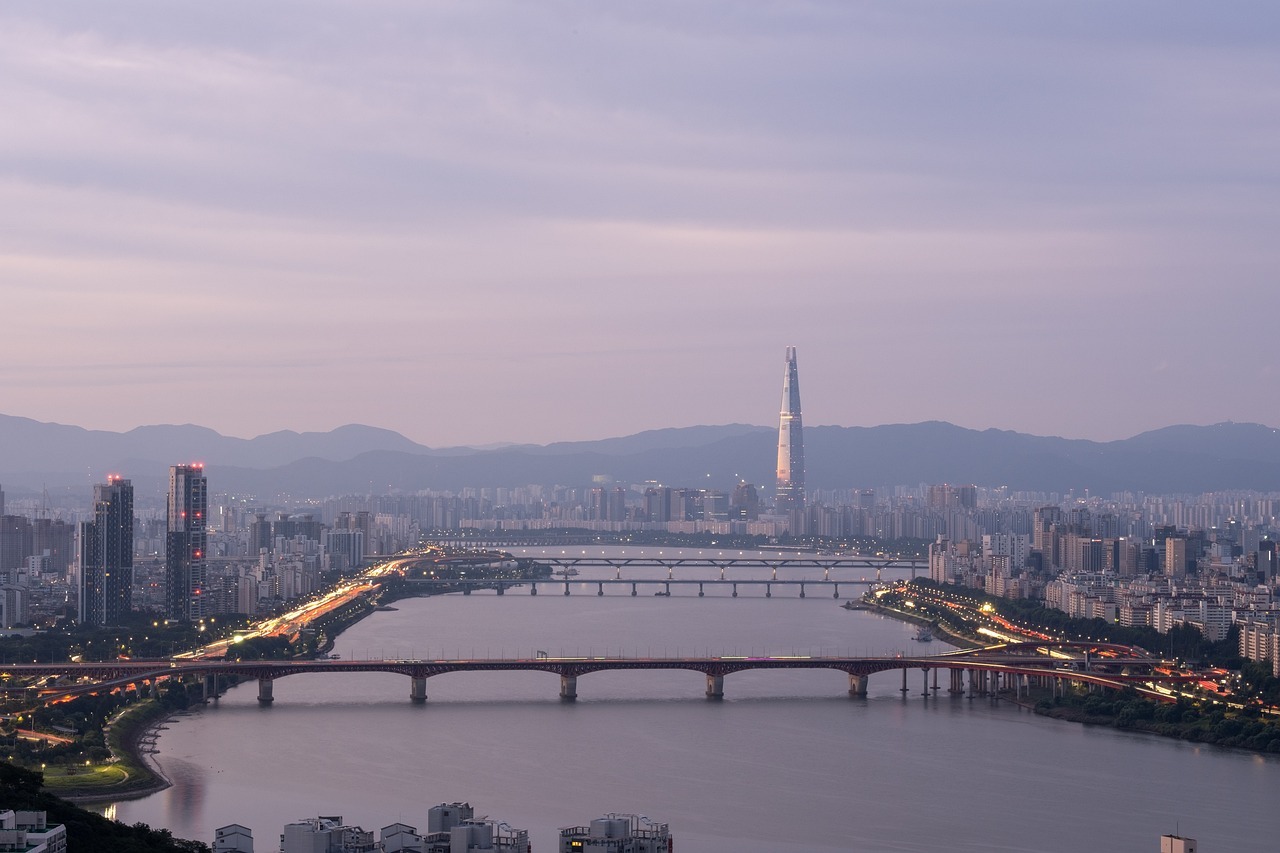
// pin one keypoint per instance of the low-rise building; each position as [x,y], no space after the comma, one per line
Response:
[617,833]
[325,834]
[233,839]
[30,832]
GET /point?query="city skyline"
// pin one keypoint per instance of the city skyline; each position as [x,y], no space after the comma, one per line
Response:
[488,222]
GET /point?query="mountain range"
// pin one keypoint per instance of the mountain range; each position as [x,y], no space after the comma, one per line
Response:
[364,459]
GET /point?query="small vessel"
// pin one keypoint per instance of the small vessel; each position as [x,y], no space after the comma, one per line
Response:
[924,634]
[854,605]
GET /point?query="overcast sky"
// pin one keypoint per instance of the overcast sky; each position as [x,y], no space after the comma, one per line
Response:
[474,222]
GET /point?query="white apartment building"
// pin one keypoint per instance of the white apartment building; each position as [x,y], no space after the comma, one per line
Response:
[29,832]
[617,833]
[233,838]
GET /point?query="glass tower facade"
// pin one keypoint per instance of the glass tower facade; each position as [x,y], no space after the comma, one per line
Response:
[790,495]
[106,555]
[185,542]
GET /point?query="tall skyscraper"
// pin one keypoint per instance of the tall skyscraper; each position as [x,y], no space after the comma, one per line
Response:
[790,494]
[106,555]
[185,542]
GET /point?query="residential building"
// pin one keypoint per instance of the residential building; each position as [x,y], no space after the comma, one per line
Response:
[617,833]
[233,839]
[185,542]
[30,832]
[106,555]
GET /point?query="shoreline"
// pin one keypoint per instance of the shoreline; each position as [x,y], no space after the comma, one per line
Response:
[1077,715]
[960,641]
[127,750]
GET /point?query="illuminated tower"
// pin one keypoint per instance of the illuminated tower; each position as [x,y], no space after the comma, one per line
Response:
[185,543]
[790,442]
[106,555]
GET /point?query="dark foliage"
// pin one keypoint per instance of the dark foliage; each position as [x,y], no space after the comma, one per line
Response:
[86,832]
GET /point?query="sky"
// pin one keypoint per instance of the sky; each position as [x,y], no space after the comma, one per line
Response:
[476,222]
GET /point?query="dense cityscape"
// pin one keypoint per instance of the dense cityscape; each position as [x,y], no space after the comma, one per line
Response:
[389,460]
[1201,569]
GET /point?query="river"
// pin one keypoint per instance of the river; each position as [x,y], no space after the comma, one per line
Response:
[787,761]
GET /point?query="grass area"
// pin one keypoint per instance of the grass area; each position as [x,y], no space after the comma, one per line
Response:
[81,778]
[128,773]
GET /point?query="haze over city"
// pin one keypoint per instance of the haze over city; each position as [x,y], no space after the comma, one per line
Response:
[477,222]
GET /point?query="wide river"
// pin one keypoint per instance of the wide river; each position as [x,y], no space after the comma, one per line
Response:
[787,761]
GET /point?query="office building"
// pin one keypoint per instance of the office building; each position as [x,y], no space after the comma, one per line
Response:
[185,541]
[790,494]
[106,555]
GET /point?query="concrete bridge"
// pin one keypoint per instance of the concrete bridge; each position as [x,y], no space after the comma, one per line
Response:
[664,585]
[1015,667]
[723,562]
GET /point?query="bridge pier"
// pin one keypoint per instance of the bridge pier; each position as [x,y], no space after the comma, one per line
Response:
[904,683]
[802,589]
[264,691]
[925,689]
[715,686]
[633,589]
[533,589]
[501,589]
[768,588]
[935,681]
[466,590]
[208,689]
[700,592]
[418,689]
[566,587]
[600,590]
[957,682]
[836,594]
[568,688]
[735,590]
[857,685]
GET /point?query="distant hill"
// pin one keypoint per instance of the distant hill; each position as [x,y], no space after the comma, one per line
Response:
[362,459]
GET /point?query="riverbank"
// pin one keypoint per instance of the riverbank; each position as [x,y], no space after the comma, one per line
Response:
[130,773]
[947,633]
[1128,711]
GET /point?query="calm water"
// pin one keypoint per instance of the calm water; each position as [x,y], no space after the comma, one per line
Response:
[786,762]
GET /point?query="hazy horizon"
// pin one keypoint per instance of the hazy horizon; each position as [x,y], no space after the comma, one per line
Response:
[500,444]
[487,222]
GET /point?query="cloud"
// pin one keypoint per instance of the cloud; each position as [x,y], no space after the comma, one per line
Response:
[371,193]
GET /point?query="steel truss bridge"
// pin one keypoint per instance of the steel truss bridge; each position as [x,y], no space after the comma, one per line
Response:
[1015,667]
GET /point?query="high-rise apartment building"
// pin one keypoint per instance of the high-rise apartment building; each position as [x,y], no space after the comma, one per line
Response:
[790,495]
[185,542]
[106,555]
[1175,557]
